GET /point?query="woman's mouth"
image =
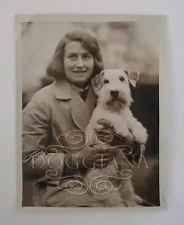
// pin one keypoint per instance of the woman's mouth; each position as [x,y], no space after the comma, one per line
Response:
[79,72]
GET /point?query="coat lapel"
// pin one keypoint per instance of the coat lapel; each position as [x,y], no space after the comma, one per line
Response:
[80,111]
[91,100]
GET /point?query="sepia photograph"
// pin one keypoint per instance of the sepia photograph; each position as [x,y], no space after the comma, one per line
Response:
[89,110]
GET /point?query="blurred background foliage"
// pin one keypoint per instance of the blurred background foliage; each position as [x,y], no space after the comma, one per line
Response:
[124,44]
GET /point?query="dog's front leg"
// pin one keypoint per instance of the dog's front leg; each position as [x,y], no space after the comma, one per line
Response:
[138,131]
[122,129]
[128,195]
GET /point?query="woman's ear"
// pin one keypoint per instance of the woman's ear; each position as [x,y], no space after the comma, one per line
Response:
[97,82]
[133,77]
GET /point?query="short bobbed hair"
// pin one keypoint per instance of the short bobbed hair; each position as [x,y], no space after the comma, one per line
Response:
[88,41]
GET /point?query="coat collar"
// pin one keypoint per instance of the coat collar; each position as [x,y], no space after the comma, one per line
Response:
[62,89]
[80,111]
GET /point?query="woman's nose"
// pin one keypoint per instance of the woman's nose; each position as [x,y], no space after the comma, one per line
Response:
[79,63]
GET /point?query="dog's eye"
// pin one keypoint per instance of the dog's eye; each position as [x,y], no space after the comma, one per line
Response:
[106,81]
[122,78]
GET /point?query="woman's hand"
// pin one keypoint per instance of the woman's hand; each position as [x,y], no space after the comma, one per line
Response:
[107,133]
[93,157]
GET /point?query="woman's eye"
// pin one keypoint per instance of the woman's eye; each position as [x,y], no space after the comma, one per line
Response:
[122,78]
[106,81]
[87,57]
[72,57]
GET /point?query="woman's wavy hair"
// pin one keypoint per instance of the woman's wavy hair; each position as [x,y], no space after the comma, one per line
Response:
[55,68]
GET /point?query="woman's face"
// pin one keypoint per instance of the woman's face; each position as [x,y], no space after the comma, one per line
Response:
[78,63]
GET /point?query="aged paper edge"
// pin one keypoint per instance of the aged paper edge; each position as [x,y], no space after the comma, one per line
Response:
[163,158]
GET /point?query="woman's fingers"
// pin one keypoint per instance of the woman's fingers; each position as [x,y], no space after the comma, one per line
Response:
[103,160]
[104,155]
[102,165]
[107,150]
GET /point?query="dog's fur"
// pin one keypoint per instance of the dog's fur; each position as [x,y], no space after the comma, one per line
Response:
[113,106]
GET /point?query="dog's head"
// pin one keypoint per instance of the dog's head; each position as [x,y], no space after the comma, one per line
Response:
[114,86]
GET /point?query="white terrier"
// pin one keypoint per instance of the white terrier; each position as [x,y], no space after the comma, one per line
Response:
[114,99]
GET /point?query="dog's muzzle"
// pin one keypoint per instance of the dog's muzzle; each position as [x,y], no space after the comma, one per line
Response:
[114,94]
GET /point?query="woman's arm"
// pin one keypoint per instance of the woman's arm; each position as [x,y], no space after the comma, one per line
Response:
[37,162]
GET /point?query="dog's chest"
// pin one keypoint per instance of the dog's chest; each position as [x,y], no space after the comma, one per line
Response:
[102,112]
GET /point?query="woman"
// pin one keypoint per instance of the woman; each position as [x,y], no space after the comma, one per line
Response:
[55,155]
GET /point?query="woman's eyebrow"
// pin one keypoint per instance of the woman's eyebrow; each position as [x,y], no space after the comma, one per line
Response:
[87,53]
[71,53]
[76,53]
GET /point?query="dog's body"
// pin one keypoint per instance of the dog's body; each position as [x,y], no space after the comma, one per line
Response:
[114,100]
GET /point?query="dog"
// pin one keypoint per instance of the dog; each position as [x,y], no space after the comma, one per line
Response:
[109,184]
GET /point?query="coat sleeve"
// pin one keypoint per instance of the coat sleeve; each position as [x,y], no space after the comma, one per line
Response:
[38,164]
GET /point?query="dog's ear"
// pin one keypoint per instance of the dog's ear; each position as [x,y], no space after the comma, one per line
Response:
[133,77]
[97,82]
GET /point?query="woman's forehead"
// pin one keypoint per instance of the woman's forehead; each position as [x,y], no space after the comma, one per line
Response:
[75,47]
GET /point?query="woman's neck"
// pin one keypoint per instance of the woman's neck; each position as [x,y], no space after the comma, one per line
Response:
[81,86]
[79,89]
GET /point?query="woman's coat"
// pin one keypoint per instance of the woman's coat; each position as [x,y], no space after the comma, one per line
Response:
[54,123]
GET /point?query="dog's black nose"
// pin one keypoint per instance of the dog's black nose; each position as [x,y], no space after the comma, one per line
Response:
[114,94]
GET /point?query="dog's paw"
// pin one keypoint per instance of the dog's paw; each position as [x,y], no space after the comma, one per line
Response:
[122,130]
[99,127]
[122,204]
[138,199]
[135,201]
[131,203]
[127,136]
[130,137]
[105,123]
[140,135]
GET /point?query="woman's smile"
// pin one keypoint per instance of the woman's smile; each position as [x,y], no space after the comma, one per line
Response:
[78,63]
[79,72]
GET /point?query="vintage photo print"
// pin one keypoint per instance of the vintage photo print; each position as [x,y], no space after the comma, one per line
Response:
[89,110]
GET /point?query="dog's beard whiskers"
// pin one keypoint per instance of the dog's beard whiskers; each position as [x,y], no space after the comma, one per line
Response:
[123,100]
[126,99]
[114,105]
